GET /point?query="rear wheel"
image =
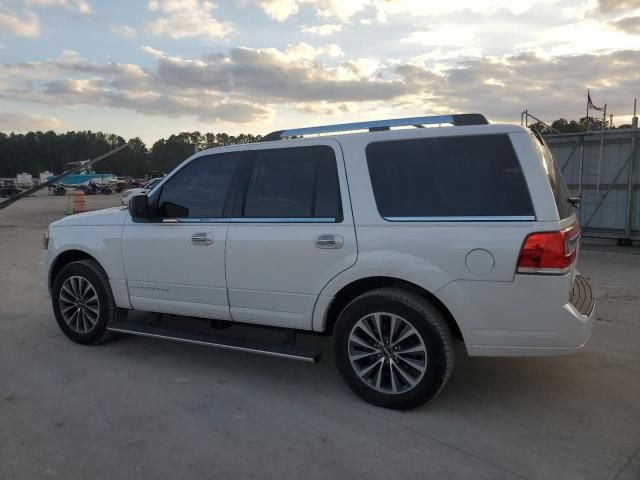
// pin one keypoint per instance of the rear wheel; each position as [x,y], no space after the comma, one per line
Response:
[393,348]
[82,302]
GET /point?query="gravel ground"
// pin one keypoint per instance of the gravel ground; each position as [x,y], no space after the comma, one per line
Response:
[143,408]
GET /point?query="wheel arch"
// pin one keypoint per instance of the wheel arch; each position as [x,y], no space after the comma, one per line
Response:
[65,258]
[357,287]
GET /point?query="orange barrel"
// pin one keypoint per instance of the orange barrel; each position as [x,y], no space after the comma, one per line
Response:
[78,202]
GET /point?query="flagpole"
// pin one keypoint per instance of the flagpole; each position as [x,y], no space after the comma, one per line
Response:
[604,120]
[587,119]
[581,173]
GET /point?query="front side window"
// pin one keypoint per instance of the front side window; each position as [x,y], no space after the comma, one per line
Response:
[199,189]
[299,182]
[464,176]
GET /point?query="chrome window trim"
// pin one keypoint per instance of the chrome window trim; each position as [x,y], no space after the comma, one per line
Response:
[283,220]
[474,218]
[195,220]
[174,221]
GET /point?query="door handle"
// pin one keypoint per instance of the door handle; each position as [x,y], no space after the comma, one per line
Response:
[202,238]
[329,241]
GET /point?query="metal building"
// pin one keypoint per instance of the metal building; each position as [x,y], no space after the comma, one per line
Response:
[607,182]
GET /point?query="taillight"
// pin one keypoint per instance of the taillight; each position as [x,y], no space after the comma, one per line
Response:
[549,252]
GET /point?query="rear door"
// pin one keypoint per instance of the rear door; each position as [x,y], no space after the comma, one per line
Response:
[292,231]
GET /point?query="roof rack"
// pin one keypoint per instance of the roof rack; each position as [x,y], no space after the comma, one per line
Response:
[380,125]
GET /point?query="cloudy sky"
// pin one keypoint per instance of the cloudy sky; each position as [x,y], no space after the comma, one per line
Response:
[151,68]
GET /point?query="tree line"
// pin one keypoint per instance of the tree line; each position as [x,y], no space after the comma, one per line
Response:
[36,152]
[563,125]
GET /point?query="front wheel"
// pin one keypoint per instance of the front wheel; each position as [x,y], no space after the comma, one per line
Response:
[82,302]
[393,348]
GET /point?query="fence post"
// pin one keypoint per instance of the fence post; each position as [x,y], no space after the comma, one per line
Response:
[580,210]
[629,223]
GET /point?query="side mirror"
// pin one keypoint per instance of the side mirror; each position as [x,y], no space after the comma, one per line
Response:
[139,206]
[575,201]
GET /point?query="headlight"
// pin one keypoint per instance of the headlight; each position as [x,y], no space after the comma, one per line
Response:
[45,240]
[127,193]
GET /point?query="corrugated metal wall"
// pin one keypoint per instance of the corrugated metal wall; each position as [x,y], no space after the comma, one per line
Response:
[612,216]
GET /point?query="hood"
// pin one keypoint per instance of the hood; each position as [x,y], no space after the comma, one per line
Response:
[108,216]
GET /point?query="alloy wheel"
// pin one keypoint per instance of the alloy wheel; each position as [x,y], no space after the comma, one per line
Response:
[387,353]
[79,304]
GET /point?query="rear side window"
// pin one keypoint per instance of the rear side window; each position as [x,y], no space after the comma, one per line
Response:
[293,183]
[466,176]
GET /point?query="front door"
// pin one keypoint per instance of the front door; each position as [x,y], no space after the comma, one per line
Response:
[292,231]
[175,262]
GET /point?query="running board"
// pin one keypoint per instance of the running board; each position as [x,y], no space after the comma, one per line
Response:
[283,350]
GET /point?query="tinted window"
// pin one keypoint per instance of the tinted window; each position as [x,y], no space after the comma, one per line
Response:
[327,202]
[448,176]
[199,189]
[293,183]
[558,186]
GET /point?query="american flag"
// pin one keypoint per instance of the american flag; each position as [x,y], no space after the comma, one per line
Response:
[590,103]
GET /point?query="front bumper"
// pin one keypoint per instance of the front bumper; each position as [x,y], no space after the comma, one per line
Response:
[43,273]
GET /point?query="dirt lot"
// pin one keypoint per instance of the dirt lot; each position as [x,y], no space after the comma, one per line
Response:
[143,408]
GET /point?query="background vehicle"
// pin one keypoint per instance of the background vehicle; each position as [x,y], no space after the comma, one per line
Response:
[93,188]
[57,189]
[394,242]
[24,180]
[8,188]
[146,188]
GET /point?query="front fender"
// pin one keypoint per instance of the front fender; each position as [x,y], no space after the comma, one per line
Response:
[103,243]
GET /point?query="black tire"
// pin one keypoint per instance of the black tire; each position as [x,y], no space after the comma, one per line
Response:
[419,314]
[93,273]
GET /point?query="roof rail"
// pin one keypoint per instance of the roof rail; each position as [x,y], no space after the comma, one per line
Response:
[379,125]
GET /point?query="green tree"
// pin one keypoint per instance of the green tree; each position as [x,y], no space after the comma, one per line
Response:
[35,152]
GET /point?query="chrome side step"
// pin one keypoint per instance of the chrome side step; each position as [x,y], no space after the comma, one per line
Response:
[284,350]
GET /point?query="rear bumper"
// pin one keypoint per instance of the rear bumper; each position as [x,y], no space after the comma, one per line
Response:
[582,296]
[532,316]
[579,335]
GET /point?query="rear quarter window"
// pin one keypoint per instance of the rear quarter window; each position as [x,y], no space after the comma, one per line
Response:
[556,181]
[462,176]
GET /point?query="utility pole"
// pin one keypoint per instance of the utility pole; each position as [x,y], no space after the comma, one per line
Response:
[586,128]
[604,120]
[634,126]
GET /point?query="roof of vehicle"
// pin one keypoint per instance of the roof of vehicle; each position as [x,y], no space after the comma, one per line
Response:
[398,128]
[455,120]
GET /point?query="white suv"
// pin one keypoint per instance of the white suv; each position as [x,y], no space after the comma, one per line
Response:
[394,241]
